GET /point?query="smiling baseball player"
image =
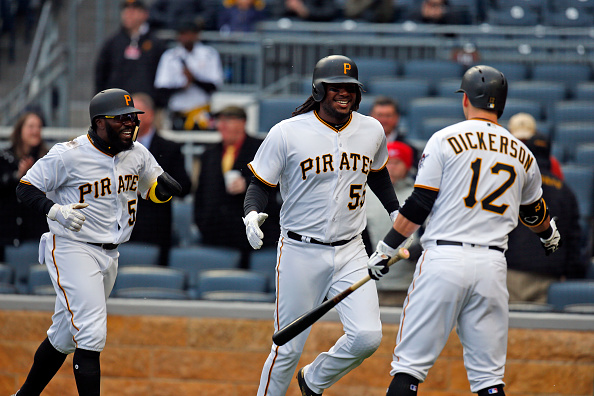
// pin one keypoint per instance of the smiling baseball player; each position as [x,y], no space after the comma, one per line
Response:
[475,180]
[88,189]
[322,157]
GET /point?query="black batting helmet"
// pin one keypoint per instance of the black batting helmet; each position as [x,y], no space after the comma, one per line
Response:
[112,102]
[334,69]
[486,88]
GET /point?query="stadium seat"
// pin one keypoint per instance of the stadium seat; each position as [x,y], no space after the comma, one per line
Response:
[535,5]
[579,308]
[570,73]
[264,262]
[238,296]
[232,280]
[584,91]
[584,154]
[7,288]
[447,88]
[404,90]
[573,111]
[273,109]
[546,93]
[434,107]
[184,230]
[513,71]
[515,106]
[581,181]
[195,259]
[568,17]
[512,16]
[138,253]
[375,67]
[569,135]
[38,278]
[530,307]
[159,293]
[366,103]
[20,259]
[561,294]
[580,4]
[433,70]
[5,273]
[145,276]
[433,124]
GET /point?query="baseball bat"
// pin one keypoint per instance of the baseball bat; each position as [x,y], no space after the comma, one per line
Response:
[297,326]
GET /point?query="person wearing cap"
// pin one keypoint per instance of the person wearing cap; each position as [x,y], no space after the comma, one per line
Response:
[523,126]
[129,58]
[530,272]
[222,183]
[187,75]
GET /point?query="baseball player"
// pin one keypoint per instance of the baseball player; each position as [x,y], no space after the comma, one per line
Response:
[474,180]
[88,189]
[323,157]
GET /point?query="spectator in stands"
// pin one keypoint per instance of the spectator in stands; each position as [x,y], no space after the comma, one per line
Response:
[222,183]
[530,271]
[153,224]
[387,111]
[129,58]
[166,14]
[438,12]
[306,10]
[523,126]
[374,11]
[26,147]
[241,15]
[188,74]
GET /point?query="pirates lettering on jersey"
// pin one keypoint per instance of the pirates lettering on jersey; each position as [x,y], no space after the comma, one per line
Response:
[323,163]
[490,142]
[97,188]
[127,183]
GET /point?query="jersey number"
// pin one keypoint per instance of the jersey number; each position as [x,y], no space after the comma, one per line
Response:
[486,203]
[357,198]
[132,211]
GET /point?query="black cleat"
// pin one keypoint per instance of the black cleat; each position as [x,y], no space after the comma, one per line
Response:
[305,391]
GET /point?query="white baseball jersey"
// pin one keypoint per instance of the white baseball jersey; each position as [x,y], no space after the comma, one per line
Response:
[489,172]
[76,171]
[322,172]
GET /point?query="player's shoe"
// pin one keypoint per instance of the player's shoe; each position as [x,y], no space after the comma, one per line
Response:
[305,391]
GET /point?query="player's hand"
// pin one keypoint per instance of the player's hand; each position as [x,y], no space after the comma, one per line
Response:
[68,215]
[393,215]
[552,243]
[167,187]
[377,265]
[252,222]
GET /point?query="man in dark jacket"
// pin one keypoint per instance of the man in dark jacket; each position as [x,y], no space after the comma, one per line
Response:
[129,58]
[223,180]
[153,224]
[530,271]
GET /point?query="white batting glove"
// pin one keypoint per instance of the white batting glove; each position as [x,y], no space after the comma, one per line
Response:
[68,215]
[252,222]
[552,243]
[393,215]
[377,265]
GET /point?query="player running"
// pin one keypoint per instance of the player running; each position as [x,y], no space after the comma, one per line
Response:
[474,180]
[88,189]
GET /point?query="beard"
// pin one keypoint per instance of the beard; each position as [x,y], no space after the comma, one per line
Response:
[339,115]
[115,141]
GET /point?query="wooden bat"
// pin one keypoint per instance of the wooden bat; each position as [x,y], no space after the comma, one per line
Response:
[297,326]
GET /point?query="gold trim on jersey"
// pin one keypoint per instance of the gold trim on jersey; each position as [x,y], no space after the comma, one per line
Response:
[330,126]
[259,178]
[382,167]
[484,119]
[25,182]
[426,187]
[101,151]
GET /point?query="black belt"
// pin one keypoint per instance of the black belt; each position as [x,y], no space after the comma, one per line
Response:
[297,237]
[106,246]
[454,243]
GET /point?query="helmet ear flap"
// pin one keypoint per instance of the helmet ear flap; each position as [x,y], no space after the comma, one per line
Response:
[318,91]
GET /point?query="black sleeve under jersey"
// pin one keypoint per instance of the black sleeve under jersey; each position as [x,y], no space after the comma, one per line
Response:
[381,185]
[33,198]
[418,206]
[256,196]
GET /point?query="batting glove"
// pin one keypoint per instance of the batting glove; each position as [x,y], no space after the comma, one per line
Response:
[68,215]
[377,265]
[252,222]
[167,187]
[552,243]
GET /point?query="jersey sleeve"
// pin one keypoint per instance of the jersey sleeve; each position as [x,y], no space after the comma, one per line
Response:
[430,166]
[270,159]
[49,172]
[381,156]
[149,172]
[532,190]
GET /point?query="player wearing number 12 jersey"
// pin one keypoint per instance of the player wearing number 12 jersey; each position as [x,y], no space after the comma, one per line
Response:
[474,181]
[322,157]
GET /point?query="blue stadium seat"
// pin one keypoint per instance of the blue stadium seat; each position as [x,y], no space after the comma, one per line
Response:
[535,5]
[447,88]
[404,90]
[581,181]
[573,111]
[584,154]
[274,109]
[569,135]
[6,273]
[513,71]
[238,296]
[568,17]
[515,106]
[264,261]
[433,70]
[138,253]
[433,124]
[434,107]
[584,91]
[570,73]
[184,230]
[375,67]
[544,92]
[530,307]
[7,288]
[145,276]
[38,278]
[579,308]
[366,103]
[565,293]
[580,4]
[232,280]
[159,293]
[512,16]
[20,259]
[195,259]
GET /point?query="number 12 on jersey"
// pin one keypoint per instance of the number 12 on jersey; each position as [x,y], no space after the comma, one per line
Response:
[487,203]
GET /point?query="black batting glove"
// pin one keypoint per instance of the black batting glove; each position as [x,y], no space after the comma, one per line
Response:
[167,187]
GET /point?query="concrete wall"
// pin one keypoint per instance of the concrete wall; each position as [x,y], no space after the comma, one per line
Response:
[218,350]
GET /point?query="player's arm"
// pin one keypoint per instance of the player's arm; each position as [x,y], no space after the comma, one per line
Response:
[256,199]
[536,217]
[164,188]
[381,185]
[413,213]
